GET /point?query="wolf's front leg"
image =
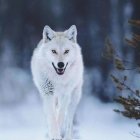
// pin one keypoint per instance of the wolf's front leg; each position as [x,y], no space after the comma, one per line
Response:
[75,98]
[51,118]
[65,101]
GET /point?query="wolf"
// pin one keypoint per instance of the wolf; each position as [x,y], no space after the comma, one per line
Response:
[57,70]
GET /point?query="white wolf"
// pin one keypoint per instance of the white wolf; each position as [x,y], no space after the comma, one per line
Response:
[57,69]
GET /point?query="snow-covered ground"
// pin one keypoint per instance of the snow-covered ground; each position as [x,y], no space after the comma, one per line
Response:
[96,120]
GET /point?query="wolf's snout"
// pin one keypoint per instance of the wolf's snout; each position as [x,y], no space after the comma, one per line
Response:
[61,69]
[60,65]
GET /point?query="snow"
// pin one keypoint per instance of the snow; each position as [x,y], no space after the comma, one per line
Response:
[96,121]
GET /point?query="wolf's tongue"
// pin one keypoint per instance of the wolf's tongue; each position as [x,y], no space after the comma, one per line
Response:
[60,70]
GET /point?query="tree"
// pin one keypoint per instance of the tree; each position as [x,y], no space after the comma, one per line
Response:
[131,100]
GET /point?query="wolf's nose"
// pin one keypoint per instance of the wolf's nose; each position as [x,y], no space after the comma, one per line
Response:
[60,65]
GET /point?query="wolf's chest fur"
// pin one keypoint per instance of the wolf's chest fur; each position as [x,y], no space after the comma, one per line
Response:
[59,92]
[47,87]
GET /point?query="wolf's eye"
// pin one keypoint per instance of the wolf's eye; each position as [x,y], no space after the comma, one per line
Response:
[66,51]
[54,51]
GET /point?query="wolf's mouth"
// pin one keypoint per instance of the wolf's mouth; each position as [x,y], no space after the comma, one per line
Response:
[58,70]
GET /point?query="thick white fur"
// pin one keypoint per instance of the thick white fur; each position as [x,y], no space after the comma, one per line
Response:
[60,93]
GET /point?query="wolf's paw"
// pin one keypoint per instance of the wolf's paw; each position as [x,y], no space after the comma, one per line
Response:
[68,139]
[56,139]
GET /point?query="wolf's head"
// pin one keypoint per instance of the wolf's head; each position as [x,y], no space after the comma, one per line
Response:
[60,49]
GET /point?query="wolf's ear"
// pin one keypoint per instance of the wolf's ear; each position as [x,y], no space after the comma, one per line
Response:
[71,33]
[48,34]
